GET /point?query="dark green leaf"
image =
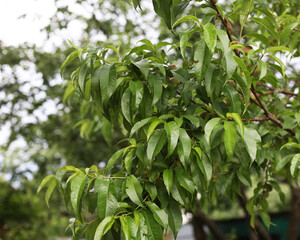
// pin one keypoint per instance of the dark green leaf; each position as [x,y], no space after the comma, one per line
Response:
[77,189]
[168,179]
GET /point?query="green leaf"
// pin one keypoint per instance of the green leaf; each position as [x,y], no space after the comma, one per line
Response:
[228,54]
[111,162]
[291,144]
[49,191]
[156,86]
[154,229]
[159,215]
[251,138]
[139,125]
[128,160]
[210,36]
[294,163]
[245,89]
[244,69]
[152,190]
[184,180]
[137,90]
[68,60]
[108,80]
[106,202]
[134,190]
[207,166]
[175,216]
[126,105]
[104,227]
[77,189]
[172,131]
[125,227]
[186,19]
[268,25]
[209,79]
[265,218]
[184,146]
[229,138]
[209,127]
[278,48]
[282,66]
[44,182]
[183,43]
[83,73]
[237,118]
[282,162]
[143,65]
[263,69]
[168,179]
[202,58]
[152,127]
[156,143]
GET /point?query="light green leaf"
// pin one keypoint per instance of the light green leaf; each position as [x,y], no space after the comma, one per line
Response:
[183,43]
[244,69]
[104,227]
[49,191]
[262,68]
[111,162]
[186,19]
[251,138]
[209,127]
[152,127]
[294,163]
[44,182]
[237,118]
[69,59]
[159,215]
[172,131]
[268,25]
[184,146]
[126,105]
[156,143]
[291,144]
[278,48]
[134,190]
[282,66]
[140,124]
[282,162]
[210,36]
[125,227]
[83,73]
[229,138]
[265,218]
[77,188]
[168,179]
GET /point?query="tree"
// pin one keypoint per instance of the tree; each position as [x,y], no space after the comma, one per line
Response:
[203,121]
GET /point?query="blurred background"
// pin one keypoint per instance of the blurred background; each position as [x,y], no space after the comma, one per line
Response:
[38,130]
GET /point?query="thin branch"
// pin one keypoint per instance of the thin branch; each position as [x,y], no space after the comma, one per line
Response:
[253,119]
[261,105]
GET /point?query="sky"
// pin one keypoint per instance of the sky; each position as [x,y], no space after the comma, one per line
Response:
[15,30]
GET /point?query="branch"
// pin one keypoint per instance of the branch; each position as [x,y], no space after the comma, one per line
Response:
[261,105]
[253,119]
[211,225]
[272,90]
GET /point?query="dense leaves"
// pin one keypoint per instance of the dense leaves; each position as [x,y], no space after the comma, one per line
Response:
[197,126]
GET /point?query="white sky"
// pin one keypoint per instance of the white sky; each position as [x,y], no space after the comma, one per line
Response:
[14,31]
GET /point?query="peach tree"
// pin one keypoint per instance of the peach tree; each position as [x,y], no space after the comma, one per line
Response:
[204,114]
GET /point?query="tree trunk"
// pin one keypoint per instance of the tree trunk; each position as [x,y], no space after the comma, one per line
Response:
[200,217]
[292,233]
[261,231]
[199,232]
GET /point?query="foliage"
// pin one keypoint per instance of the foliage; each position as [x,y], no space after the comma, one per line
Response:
[198,119]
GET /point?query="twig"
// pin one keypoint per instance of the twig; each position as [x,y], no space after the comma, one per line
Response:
[261,105]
